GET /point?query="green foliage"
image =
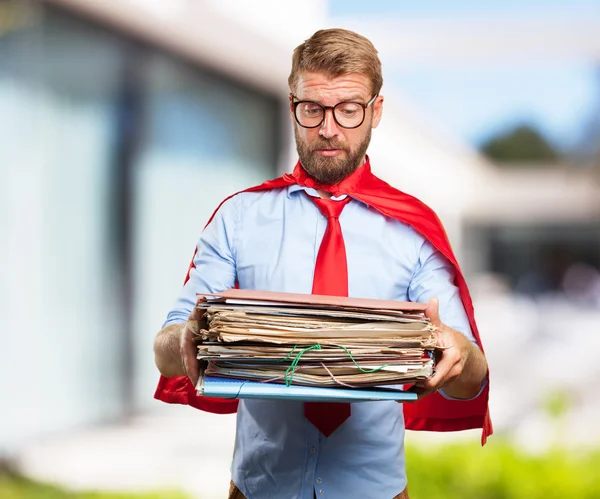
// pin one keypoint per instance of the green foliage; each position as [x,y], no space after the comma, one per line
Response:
[557,404]
[458,471]
[522,144]
[500,471]
[16,487]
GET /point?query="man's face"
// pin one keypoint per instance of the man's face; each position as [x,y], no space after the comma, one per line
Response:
[329,152]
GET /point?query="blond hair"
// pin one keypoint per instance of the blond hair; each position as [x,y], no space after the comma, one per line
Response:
[337,52]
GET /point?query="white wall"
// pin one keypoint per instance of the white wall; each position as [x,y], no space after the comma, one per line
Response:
[58,321]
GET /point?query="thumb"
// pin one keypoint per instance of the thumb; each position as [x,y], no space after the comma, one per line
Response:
[432,311]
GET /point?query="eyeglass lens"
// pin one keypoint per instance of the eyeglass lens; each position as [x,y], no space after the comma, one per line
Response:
[346,114]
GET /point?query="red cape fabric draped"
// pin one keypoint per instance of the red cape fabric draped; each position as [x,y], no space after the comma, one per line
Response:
[432,413]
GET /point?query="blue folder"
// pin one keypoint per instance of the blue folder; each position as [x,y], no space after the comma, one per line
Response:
[227,388]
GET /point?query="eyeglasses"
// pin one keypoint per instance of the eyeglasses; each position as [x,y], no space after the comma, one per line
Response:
[347,114]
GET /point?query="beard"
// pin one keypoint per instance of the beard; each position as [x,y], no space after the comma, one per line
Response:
[330,171]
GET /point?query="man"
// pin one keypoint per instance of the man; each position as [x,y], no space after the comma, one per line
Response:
[376,243]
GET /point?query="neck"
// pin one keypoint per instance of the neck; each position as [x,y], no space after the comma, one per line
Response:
[324,194]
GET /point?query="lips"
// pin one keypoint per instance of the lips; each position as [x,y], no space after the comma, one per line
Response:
[329,152]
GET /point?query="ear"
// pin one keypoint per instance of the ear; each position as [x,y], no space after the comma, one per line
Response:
[377,111]
[291,99]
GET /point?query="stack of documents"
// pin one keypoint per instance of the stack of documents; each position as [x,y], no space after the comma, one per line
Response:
[280,345]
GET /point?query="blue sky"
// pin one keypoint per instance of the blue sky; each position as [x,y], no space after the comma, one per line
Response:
[476,102]
[460,8]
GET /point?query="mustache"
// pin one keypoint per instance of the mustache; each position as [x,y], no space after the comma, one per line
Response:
[328,144]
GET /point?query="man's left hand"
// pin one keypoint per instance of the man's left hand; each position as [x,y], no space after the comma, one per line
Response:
[461,366]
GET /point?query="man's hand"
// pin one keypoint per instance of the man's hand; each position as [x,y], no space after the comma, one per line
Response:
[188,347]
[461,366]
[175,348]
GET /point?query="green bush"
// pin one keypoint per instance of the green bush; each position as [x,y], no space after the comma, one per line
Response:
[458,471]
[16,487]
[500,471]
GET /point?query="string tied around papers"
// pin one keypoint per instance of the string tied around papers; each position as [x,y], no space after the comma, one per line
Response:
[289,354]
[289,373]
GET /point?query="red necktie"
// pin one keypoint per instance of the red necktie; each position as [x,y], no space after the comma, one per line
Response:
[330,278]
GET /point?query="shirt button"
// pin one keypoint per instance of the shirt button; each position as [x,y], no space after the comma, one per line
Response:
[321,491]
[319,480]
[313,450]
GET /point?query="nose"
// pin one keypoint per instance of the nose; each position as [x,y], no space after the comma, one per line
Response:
[329,127]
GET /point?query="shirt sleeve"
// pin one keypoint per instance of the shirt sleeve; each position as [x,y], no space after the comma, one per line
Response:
[214,267]
[434,277]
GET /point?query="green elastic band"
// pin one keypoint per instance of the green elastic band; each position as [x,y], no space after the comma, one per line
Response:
[356,364]
[289,373]
[288,355]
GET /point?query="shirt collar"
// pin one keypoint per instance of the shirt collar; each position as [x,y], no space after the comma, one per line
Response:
[311,191]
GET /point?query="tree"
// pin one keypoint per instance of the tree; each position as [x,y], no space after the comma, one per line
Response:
[521,144]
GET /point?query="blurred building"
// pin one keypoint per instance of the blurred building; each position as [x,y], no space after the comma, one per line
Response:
[532,223]
[123,124]
[121,128]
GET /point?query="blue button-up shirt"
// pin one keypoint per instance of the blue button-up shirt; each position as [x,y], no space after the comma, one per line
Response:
[269,240]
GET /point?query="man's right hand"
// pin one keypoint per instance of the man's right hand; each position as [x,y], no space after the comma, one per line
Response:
[175,348]
[188,346]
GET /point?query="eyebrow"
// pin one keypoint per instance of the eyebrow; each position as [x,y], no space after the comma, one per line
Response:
[354,97]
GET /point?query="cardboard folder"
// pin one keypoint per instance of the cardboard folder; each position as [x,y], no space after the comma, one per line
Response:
[227,388]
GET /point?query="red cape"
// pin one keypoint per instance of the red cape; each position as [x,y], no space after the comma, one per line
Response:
[432,413]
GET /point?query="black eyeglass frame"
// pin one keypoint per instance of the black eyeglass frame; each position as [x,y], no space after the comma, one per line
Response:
[364,105]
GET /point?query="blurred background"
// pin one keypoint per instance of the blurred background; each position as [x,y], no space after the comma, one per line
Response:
[123,124]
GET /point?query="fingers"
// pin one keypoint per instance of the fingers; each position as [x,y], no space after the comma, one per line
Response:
[196,314]
[424,388]
[188,351]
[197,318]
[432,311]
[447,368]
[443,340]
